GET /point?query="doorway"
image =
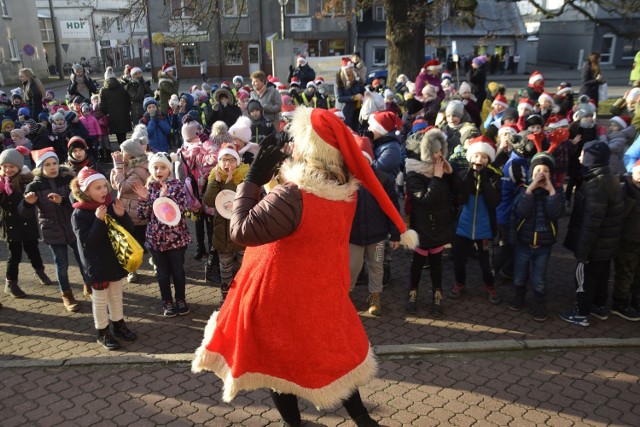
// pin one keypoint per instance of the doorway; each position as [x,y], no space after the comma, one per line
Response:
[254,58]
[170,58]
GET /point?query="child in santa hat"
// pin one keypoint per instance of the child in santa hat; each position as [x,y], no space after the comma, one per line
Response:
[545,106]
[535,86]
[498,106]
[167,243]
[19,233]
[303,329]
[626,284]
[564,100]
[49,192]
[477,224]
[241,134]
[103,271]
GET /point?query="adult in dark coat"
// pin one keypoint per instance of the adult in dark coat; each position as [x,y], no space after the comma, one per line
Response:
[591,77]
[33,91]
[138,89]
[477,77]
[302,71]
[115,102]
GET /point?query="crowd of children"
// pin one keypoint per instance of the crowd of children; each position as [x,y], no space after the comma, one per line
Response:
[488,177]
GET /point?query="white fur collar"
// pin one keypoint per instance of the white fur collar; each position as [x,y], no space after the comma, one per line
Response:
[306,180]
[423,168]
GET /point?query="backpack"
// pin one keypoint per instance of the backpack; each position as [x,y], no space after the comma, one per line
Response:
[195,188]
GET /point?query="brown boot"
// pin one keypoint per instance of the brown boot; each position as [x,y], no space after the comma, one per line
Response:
[87,291]
[69,301]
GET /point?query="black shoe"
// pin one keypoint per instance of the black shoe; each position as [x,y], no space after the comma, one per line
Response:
[11,287]
[182,307]
[626,312]
[199,254]
[120,330]
[539,313]
[106,339]
[436,308]
[169,308]
[517,301]
[212,268]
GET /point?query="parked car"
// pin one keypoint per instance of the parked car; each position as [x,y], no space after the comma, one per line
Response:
[147,66]
[380,74]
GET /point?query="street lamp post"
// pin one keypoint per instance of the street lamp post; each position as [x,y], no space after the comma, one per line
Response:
[283,3]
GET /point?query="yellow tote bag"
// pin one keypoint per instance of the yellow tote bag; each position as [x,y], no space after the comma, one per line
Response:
[127,249]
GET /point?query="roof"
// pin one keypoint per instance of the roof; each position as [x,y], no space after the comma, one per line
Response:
[493,18]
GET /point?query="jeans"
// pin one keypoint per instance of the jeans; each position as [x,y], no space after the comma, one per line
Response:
[15,256]
[170,264]
[535,259]
[61,259]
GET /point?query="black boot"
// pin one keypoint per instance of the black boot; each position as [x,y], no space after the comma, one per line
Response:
[212,267]
[200,252]
[11,287]
[120,330]
[42,276]
[517,301]
[106,339]
[436,307]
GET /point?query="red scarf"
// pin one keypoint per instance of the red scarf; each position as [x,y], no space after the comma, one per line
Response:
[91,205]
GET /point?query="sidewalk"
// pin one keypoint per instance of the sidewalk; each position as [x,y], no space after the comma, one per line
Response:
[480,362]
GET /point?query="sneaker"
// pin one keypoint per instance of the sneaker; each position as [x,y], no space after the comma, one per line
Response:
[626,312]
[132,277]
[539,313]
[182,307]
[412,304]
[600,312]
[169,308]
[375,305]
[456,291]
[492,294]
[575,318]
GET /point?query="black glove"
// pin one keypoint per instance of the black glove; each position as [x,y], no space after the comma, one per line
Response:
[264,164]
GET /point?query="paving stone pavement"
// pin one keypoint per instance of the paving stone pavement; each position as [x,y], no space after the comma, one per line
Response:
[54,373]
[573,388]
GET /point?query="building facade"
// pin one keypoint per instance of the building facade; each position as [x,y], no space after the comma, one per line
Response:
[236,40]
[501,33]
[21,46]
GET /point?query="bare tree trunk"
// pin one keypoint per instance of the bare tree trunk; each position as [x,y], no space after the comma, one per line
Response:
[405,40]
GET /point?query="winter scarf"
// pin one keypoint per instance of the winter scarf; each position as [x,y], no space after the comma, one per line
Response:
[59,128]
[91,205]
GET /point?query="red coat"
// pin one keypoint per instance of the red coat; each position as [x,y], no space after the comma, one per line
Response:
[288,323]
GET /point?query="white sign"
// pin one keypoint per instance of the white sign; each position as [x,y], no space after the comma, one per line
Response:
[301,24]
[75,30]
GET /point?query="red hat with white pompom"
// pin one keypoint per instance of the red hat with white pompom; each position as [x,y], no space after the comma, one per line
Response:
[86,176]
[384,122]
[481,144]
[322,135]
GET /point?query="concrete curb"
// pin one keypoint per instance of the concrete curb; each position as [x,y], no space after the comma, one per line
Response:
[400,351]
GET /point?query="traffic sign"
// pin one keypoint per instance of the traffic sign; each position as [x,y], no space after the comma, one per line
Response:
[29,50]
[65,47]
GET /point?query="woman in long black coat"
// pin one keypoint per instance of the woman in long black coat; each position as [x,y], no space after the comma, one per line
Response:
[138,90]
[115,102]
[591,77]
[477,77]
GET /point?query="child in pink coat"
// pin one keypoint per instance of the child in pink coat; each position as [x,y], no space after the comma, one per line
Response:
[95,133]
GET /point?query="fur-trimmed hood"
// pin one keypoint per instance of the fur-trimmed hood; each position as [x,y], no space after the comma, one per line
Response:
[138,161]
[311,182]
[422,145]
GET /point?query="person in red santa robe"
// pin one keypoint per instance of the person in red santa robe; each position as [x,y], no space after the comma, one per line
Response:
[288,323]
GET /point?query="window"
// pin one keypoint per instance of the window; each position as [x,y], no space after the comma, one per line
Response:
[297,7]
[379,14]
[630,47]
[183,8]
[339,9]
[607,48]
[3,6]
[233,7]
[337,47]
[190,54]
[46,31]
[13,49]
[232,53]
[380,55]
[119,21]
